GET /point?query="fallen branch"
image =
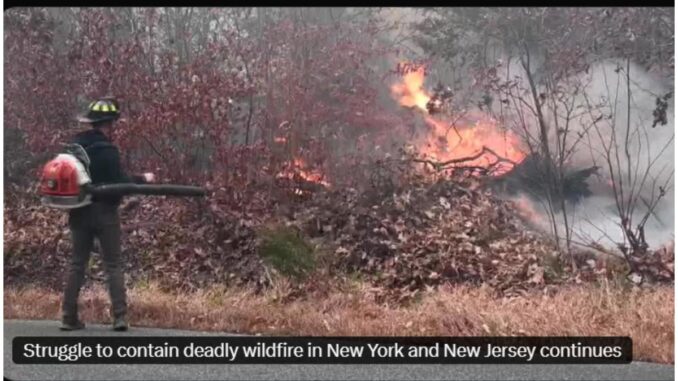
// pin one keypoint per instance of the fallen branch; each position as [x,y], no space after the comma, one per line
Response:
[446,164]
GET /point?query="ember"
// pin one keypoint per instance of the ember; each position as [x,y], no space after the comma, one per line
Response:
[303,178]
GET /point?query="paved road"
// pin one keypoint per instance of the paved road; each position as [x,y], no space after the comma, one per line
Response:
[634,371]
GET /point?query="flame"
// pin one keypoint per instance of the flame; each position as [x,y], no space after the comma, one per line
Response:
[450,140]
[410,91]
[314,176]
[299,169]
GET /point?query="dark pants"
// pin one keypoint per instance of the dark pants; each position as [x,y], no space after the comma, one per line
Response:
[100,221]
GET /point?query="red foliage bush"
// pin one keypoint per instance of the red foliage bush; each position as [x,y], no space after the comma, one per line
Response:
[227,102]
[197,112]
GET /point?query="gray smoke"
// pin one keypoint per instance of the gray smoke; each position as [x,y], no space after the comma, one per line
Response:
[648,165]
[651,150]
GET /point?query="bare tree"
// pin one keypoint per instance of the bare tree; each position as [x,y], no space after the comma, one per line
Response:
[535,62]
[636,167]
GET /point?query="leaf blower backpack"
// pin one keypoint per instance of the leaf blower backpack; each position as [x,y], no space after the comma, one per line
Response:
[65,178]
[66,182]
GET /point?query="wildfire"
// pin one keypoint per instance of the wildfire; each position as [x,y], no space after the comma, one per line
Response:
[299,169]
[449,140]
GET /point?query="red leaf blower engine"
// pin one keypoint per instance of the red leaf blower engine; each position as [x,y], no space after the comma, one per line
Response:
[66,183]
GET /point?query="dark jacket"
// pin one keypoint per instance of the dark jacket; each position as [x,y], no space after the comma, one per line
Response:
[105,167]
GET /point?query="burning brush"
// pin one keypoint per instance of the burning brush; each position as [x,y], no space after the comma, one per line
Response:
[303,179]
[480,144]
[470,143]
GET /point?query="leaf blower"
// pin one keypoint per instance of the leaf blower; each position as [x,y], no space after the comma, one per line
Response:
[66,183]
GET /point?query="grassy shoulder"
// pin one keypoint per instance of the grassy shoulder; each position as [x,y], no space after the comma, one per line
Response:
[646,315]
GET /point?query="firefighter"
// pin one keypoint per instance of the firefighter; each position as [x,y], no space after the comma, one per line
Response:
[100,219]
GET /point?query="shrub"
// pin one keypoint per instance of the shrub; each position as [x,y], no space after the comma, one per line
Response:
[286,251]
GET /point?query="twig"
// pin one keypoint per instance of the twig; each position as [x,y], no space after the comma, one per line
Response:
[651,210]
[155,150]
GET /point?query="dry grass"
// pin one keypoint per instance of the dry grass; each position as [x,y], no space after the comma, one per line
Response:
[645,315]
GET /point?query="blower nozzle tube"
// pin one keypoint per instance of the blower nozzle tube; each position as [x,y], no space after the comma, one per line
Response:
[147,189]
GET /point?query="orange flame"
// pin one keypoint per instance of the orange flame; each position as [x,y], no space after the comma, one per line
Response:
[449,140]
[299,169]
[410,91]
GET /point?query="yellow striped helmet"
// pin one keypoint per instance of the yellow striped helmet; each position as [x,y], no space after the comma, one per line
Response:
[101,110]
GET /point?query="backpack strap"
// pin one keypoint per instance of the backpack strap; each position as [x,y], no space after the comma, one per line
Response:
[79,152]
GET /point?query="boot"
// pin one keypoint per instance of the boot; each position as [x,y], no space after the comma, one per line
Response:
[120,323]
[71,324]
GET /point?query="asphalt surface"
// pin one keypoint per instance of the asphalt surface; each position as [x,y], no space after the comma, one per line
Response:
[634,371]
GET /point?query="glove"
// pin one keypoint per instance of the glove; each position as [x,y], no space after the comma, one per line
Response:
[149,177]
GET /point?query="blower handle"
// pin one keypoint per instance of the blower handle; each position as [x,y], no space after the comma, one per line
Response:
[125,189]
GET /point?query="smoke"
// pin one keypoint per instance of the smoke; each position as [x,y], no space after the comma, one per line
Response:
[641,156]
[651,150]
[642,162]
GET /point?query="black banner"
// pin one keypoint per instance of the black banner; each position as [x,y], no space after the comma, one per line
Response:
[320,350]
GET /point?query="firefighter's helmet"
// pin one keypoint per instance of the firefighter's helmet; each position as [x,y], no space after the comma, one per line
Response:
[102,110]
